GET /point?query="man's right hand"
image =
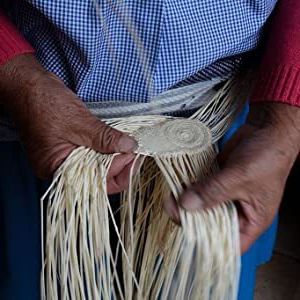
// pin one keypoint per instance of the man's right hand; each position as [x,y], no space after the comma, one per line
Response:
[53,121]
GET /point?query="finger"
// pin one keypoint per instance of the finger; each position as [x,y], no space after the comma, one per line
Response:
[48,165]
[120,181]
[61,156]
[246,242]
[249,232]
[171,209]
[118,164]
[245,225]
[251,224]
[105,139]
[222,187]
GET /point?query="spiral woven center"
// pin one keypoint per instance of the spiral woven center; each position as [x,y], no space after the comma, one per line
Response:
[176,136]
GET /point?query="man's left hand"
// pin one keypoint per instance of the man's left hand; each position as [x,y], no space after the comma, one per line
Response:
[255,164]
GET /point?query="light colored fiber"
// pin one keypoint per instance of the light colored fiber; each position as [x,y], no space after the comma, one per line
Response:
[198,260]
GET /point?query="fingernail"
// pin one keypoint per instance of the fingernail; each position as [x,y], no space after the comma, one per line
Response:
[171,209]
[191,201]
[127,144]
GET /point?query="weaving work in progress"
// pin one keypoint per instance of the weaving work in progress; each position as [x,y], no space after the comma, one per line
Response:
[147,148]
[160,260]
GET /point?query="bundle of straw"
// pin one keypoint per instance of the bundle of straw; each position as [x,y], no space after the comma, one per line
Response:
[198,260]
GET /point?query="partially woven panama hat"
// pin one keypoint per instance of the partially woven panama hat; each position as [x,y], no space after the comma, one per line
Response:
[198,260]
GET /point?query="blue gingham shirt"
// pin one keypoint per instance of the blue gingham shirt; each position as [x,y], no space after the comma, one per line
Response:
[89,44]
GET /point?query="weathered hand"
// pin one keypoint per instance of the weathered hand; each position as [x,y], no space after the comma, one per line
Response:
[53,121]
[255,164]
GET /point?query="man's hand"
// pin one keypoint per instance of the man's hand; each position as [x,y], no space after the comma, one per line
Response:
[52,121]
[255,164]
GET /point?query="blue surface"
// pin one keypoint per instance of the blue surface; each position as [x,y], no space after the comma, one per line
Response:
[20,229]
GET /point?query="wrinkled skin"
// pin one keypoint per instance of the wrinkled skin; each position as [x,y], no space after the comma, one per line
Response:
[53,121]
[255,164]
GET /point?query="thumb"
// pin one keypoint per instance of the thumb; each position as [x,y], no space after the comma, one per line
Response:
[106,139]
[222,187]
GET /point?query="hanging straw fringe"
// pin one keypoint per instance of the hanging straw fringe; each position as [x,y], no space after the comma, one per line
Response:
[198,260]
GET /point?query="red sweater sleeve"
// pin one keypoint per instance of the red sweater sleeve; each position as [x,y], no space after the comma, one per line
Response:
[279,77]
[11,41]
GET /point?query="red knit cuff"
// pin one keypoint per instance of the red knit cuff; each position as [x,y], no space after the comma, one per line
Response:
[278,84]
[11,41]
